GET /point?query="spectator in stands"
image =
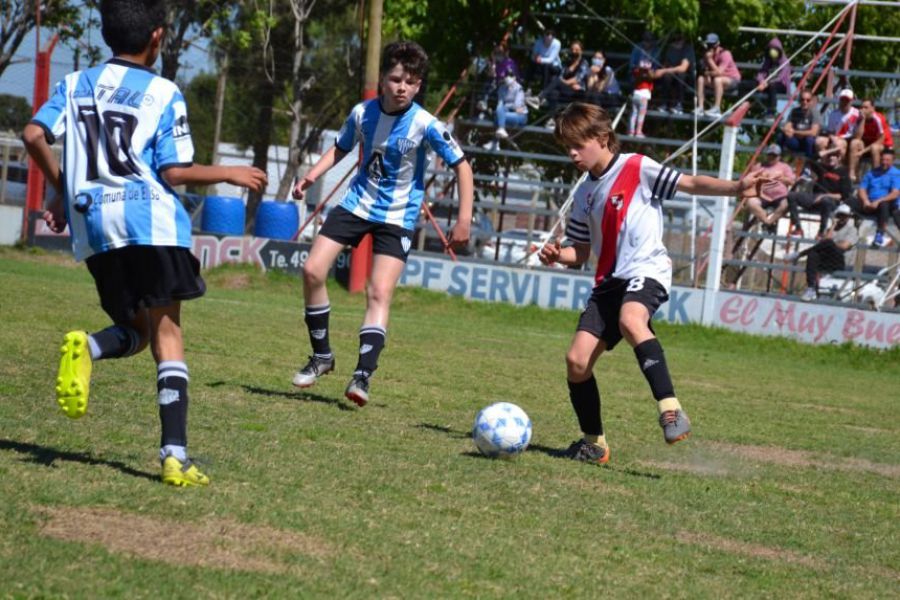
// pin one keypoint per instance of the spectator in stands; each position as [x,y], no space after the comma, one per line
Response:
[872,135]
[781,83]
[677,73]
[877,194]
[831,186]
[511,106]
[602,87]
[545,61]
[569,86]
[839,126]
[832,253]
[803,125]
[498,68]
[640,98]
[717,71]
[773,193]
[648,49]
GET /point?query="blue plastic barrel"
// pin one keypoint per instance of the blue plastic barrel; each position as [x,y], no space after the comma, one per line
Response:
[223,215]
[276,220]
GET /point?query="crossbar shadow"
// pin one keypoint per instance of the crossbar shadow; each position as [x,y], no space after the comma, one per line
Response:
[305,396]
[553,452]
[47,456]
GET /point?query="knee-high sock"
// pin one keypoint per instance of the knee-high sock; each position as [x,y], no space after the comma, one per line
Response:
[316,318]
[585,397]
[172,396]
[116,341]
[652,362]
[371,343]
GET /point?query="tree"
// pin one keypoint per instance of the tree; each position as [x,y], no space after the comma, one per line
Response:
[15,112]
[17,19]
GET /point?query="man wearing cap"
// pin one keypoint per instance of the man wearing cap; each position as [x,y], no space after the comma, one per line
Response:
[872,135]
[832,253]
[840,126]
[772,194]
[878,195]
[832,185]
[718,71]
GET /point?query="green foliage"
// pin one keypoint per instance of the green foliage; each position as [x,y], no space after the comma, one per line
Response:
[15,112]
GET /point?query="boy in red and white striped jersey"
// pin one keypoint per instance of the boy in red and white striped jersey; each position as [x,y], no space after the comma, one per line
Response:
[617,214]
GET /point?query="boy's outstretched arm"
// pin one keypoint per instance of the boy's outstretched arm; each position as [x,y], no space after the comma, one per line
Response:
[328,160]
[247,177]
[704,185]
[459,235]
[36,144]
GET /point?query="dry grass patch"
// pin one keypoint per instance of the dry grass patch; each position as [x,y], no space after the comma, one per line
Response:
[749,550]
[801,458]
[218,543]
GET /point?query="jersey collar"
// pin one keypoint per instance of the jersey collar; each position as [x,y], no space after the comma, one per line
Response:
[127,63]
[606,170]
[396,113]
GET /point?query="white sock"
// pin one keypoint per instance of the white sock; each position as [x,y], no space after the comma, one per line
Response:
[179,452]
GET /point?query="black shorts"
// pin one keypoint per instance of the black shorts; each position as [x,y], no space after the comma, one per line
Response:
[601,315]
[344,227]
[133,278]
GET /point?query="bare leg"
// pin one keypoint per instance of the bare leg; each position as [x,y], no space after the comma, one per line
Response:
[315,272]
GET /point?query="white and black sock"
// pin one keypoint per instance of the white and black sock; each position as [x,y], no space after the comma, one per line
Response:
[316,318]
[116,341]
[371,343]
[172,396]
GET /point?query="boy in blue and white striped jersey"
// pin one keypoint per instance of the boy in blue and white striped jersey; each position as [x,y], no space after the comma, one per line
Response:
[384,199]
[127,144]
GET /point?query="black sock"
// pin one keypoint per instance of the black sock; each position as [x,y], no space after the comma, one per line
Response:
[585,398]
[371,343]
[172,395]
[317,322]
[652,362]
[116,341]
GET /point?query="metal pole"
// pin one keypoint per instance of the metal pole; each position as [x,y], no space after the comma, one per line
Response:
[717,244]
[361,257]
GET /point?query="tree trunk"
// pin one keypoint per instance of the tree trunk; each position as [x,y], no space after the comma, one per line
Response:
[261,145]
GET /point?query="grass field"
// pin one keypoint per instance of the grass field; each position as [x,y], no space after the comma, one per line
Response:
[789,488]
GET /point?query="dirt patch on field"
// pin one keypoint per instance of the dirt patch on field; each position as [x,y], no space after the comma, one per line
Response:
[708,468]
[219,544]
[802,458]
[232,281]
[750,550]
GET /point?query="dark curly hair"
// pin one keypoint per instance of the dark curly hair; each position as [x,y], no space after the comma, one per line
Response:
[128,24]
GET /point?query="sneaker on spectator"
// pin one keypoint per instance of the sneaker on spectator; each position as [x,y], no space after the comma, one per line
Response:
[533,101]
[550,124]
[808,295]
[795,231]
[501,133]
[792,257]
[639,134]
[664,109]
[481,106]
[879,241]
[714,112]
[699,112]
[676,110]
[769,118]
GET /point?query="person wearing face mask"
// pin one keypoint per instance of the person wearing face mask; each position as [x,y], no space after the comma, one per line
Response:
[500,66]
[773,60]
[601,85]
[570,85]
[511,108]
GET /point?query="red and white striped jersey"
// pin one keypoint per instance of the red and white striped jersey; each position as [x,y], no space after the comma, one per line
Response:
[620,215]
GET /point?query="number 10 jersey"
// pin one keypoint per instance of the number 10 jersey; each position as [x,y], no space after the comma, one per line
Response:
[123,126]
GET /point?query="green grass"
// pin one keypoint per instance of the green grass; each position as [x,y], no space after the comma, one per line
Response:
[790,486]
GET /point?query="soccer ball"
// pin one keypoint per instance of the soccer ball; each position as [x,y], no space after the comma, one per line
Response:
[501,430]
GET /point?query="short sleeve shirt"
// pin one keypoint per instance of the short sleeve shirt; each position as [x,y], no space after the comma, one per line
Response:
[803,120]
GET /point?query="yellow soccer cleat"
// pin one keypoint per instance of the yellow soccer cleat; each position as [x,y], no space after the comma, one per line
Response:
[73,381]
[182,474]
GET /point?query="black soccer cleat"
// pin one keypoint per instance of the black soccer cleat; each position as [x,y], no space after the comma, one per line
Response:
[584,451]
[358,389]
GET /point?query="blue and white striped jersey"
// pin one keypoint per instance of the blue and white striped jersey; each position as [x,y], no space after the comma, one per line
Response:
[390,184]
[123,125]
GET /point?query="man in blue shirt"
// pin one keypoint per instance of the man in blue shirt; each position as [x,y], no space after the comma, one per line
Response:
[545,60]
[878,194]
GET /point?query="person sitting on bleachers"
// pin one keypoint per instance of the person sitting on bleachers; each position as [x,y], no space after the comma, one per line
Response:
[677,73]
[839,126]
[511,106]
[802,126]
[569,86]
[831,186]
[500,65]
[832,253]
[718,71]
[544,63]
[781,83]
[773,193]
[872,135]
[601,85]
[877,194]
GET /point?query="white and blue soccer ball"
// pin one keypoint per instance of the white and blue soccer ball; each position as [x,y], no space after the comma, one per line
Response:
[501,430]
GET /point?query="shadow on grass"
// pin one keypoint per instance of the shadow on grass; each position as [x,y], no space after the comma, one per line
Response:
[46,456]
[553,452]
[305,396]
